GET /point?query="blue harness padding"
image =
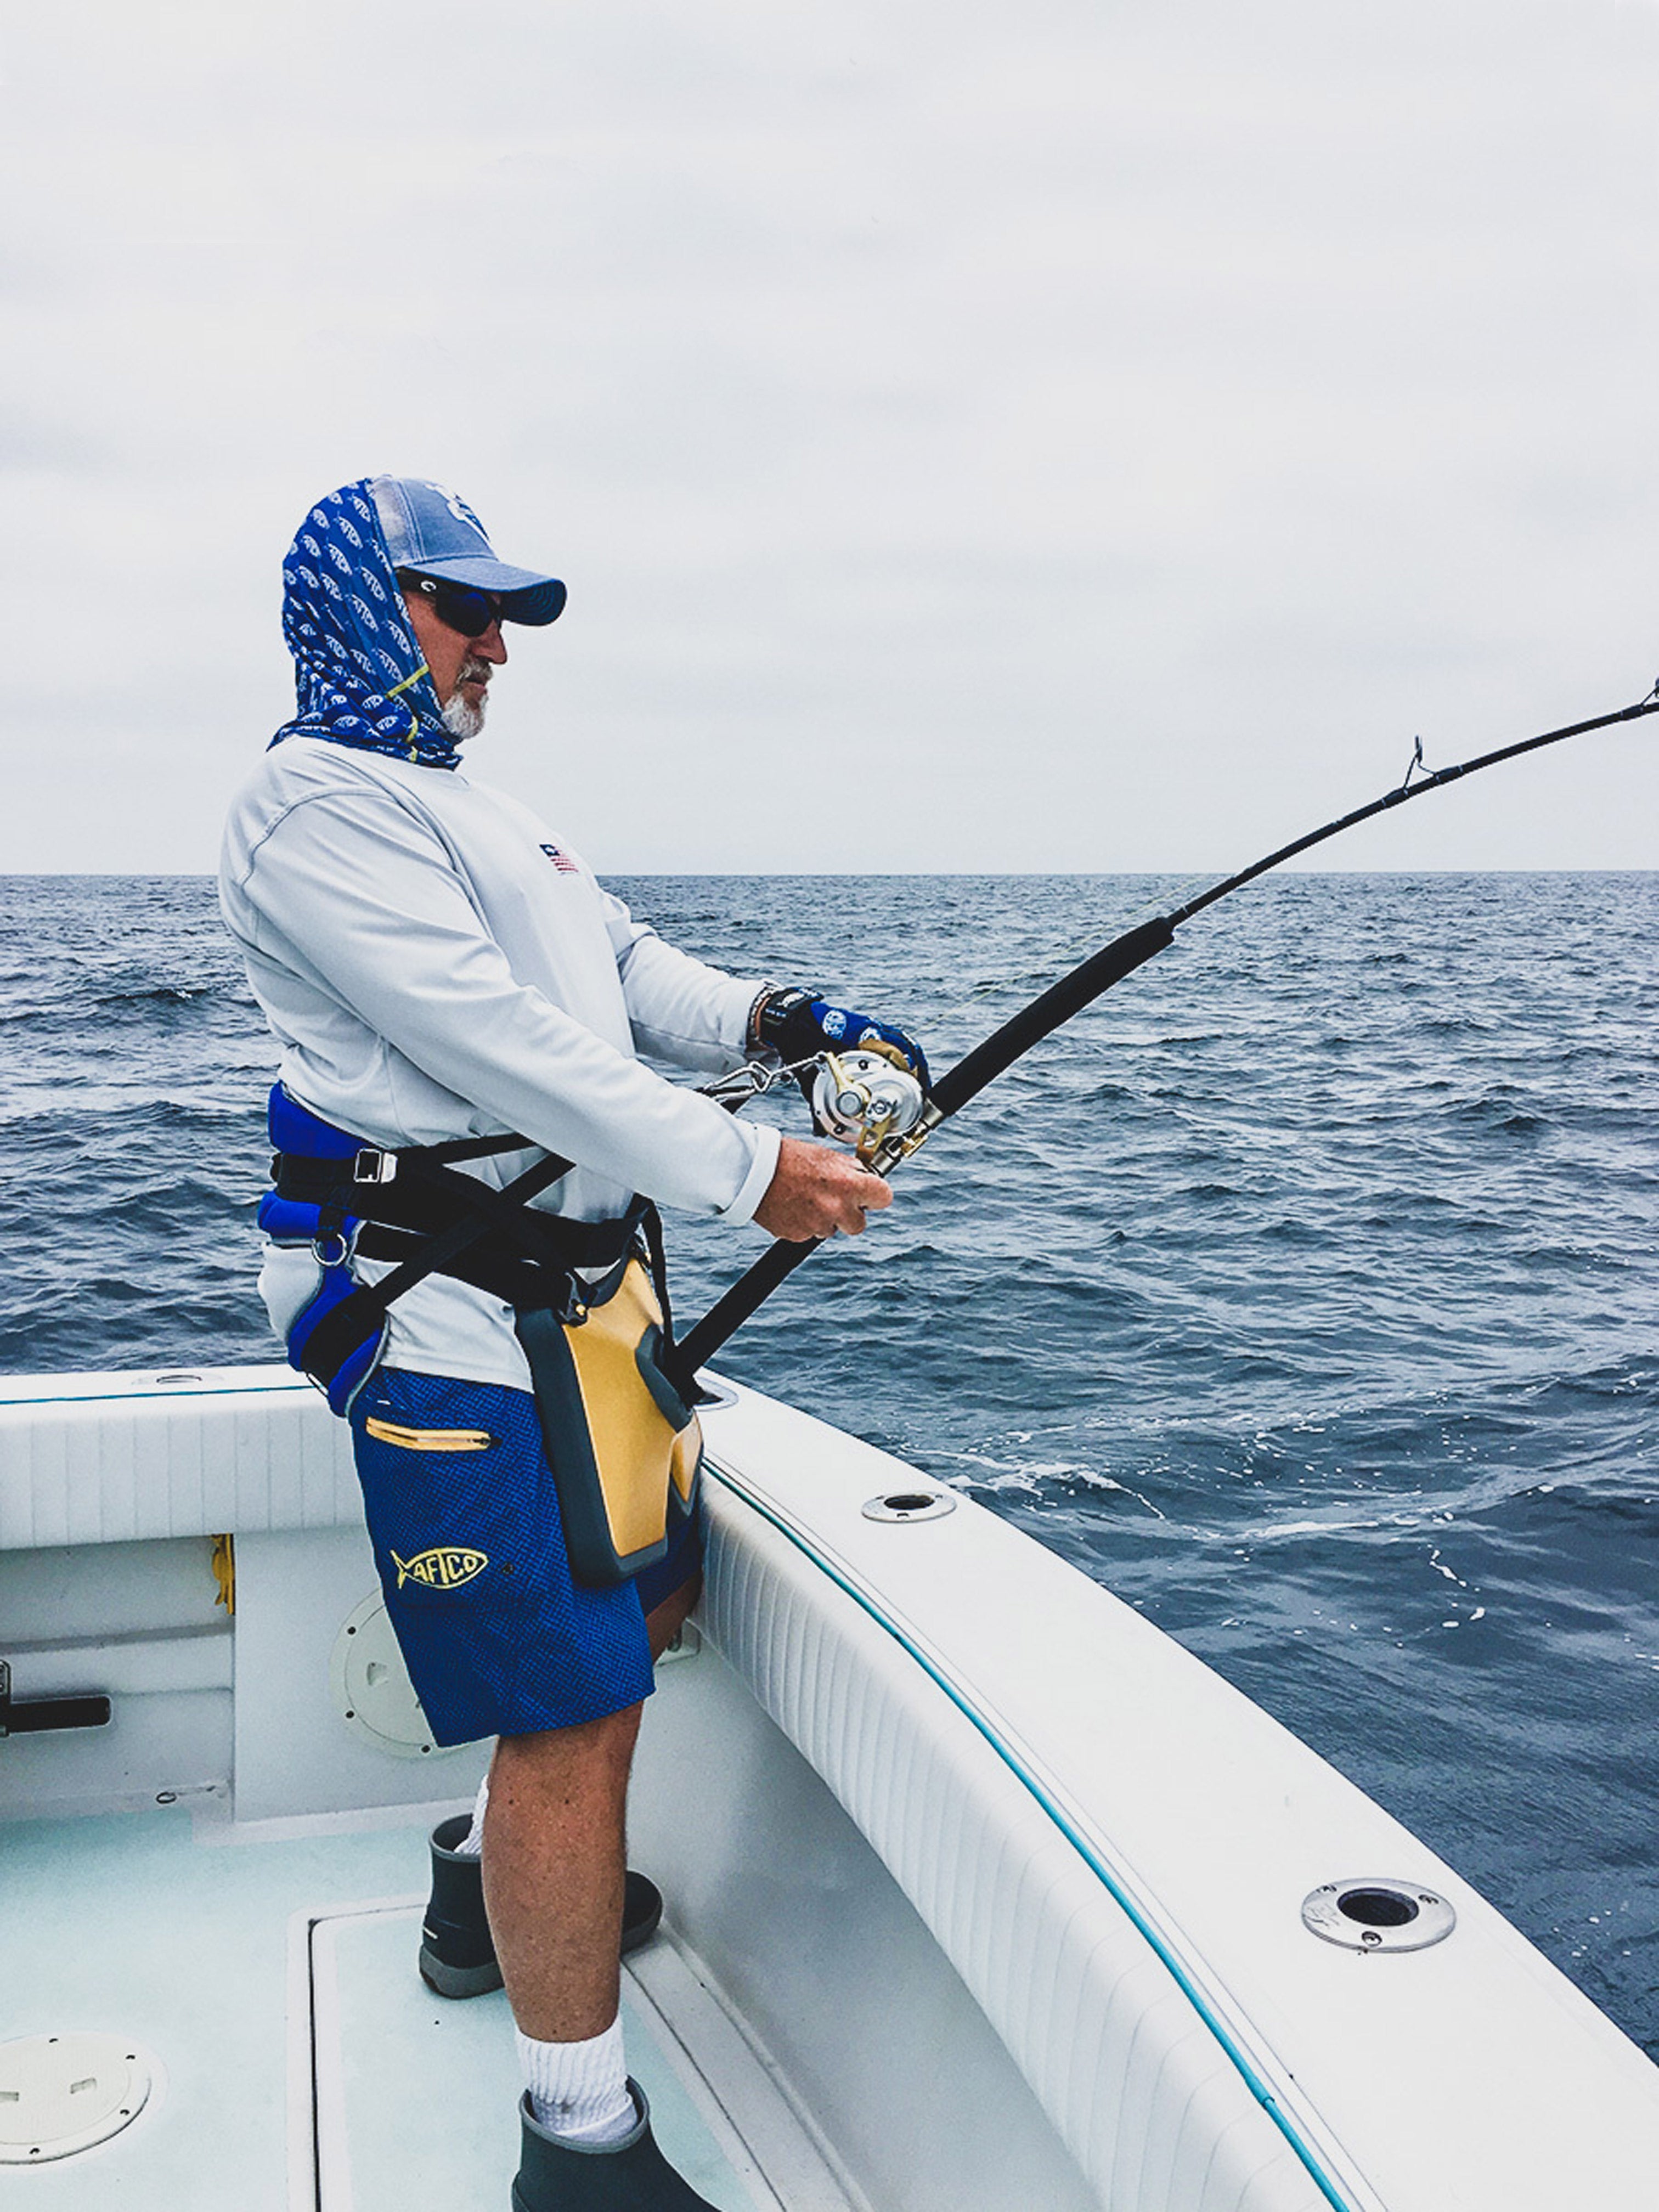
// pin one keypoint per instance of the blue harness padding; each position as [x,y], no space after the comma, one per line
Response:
[286,1221]
[296,1128]
[331,1234]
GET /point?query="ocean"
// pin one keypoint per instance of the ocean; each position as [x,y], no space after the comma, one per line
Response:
[1304,1292]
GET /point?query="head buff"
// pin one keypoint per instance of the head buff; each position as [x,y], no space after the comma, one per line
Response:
[358,675]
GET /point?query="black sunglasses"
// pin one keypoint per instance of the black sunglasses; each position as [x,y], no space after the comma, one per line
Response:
[458,606]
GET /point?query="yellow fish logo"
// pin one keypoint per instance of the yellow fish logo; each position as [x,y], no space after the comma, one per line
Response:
[445,1566]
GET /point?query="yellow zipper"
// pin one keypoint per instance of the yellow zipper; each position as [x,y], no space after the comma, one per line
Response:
[432,1440]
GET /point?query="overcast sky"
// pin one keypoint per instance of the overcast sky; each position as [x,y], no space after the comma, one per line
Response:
[1065,436]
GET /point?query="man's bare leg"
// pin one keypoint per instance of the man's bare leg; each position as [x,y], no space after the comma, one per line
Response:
[662,1624]
[553,1860]
[553,1873]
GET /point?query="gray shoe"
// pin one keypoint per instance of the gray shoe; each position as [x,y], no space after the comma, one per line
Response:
[630,2176]
[458,1952]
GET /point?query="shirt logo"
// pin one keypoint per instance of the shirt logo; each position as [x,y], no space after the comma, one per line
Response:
[445,1566]
[562,861]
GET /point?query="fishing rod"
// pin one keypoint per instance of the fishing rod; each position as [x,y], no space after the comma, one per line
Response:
[1090,979]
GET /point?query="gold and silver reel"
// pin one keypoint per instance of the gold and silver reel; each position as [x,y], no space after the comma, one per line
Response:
[865,1098]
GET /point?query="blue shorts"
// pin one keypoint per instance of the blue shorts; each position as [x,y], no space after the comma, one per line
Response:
[498,1639]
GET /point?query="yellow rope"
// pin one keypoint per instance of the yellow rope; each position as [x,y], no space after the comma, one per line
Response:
[224,1572]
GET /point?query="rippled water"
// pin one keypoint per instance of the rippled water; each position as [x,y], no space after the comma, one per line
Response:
[1304,1291]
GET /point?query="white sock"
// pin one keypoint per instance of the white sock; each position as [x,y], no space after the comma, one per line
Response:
[579,2091]
[472,1844]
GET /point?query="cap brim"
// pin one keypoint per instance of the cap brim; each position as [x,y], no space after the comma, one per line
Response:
[525,596]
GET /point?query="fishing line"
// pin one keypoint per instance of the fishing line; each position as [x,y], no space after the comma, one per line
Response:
[1090,979]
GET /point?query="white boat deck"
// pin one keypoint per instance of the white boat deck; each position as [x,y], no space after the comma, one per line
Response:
[237,1965]
[981,1894]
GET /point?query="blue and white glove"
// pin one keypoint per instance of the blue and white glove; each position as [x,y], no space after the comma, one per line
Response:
[798,1025]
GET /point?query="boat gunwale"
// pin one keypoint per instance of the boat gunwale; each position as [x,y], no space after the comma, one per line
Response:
[1352,2195]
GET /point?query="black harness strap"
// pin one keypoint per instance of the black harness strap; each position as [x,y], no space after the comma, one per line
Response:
[489,1265]
[415,1211]
[356,1318]
[417,1191]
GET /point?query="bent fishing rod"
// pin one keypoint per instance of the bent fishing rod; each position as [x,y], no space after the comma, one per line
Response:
[1088,981]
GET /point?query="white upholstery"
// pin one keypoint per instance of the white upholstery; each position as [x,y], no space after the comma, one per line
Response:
[105,1459]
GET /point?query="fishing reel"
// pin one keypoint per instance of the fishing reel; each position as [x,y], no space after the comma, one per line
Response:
[867,1098]
[862,1098]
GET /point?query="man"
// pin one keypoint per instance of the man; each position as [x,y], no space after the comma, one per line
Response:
[454,995]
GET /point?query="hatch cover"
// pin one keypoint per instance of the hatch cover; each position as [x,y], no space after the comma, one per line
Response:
[62,2094]
[371,1688]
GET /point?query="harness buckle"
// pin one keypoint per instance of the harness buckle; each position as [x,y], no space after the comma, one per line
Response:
[372,1165]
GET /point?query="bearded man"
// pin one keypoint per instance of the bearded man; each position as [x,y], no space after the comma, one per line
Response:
[470,1154]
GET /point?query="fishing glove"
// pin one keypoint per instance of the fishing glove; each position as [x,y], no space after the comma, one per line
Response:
[798,1025]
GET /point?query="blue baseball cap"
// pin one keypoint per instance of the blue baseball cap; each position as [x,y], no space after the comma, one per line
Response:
[428,530]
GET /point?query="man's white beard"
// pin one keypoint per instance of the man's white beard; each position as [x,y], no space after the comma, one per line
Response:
[461,717]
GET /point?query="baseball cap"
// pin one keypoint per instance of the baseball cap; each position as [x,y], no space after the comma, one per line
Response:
[428,529]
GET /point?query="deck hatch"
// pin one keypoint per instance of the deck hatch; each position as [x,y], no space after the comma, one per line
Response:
[62,2093]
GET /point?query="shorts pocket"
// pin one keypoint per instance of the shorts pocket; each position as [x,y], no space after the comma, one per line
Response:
[427,1440]
[459,1507]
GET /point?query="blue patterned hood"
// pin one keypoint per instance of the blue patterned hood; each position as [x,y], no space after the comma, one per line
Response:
[358,675]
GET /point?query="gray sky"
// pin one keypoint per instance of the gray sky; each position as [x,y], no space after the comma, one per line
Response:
[974,437]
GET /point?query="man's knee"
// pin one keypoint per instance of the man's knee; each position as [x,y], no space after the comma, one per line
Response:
[592,1755]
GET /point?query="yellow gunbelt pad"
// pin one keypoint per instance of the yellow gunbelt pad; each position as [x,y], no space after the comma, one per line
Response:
[683,1466]
[432,1440]
[637,1449]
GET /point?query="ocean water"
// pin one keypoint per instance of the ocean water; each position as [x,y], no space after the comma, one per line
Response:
[1304,1291]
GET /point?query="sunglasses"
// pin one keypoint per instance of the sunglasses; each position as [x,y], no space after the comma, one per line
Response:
[458,606]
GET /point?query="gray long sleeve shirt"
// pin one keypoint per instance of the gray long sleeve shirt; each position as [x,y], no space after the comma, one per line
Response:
[435,965]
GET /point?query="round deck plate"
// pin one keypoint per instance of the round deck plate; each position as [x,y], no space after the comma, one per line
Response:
[371,1688]
[62,2094]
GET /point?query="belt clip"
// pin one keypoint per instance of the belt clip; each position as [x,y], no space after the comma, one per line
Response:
[373,1166]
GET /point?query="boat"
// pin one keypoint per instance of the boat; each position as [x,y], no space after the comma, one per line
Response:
[982,1894]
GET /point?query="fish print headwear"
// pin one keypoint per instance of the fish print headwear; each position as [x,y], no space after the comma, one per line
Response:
[358,675]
